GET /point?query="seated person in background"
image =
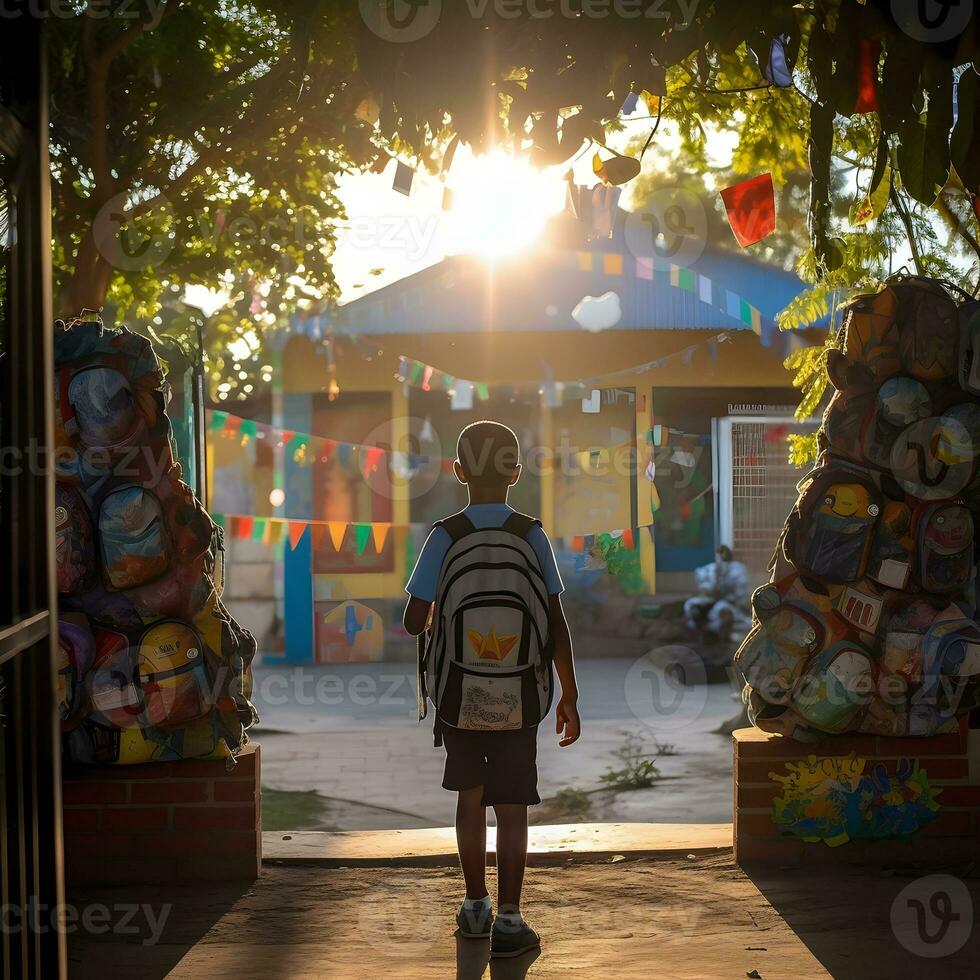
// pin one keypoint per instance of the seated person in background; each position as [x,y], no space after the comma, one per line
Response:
[723,590]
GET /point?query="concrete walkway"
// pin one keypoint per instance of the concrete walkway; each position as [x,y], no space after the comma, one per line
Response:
[361,748]
[546,845]
[680,916]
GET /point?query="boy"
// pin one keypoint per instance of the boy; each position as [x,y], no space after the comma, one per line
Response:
[495,767]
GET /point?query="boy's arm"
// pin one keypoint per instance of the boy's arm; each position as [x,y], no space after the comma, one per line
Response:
[416,615]
[567,722]
[421,587]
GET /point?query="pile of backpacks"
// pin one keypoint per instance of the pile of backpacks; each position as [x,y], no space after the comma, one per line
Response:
[153,667]
[868,622]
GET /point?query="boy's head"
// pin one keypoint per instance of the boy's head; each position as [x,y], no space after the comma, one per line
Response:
[487,456]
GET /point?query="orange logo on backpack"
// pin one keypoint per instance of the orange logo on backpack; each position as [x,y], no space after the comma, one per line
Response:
[491,646]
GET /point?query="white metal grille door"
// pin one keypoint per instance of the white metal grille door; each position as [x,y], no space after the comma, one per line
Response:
[757,484]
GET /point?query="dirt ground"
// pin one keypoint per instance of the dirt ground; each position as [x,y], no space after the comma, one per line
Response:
[689,919]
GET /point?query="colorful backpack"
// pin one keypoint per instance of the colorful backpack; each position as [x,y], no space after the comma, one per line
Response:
[487,666]
[929,328]
[871,339]
[868,623]
[831,529]
[74,541]
[969,361]
[167,670]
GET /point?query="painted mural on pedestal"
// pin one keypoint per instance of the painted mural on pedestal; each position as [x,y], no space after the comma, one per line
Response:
[839,799]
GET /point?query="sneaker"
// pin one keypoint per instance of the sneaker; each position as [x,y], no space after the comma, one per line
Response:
[510,940]
[475,923]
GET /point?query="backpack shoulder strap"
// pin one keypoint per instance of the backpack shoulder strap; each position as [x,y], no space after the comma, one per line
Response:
[457,526]
[520,524]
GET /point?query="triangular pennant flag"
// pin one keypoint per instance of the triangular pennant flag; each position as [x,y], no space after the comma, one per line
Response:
[629,104]
[774,67]
[404,175]
[362,534]
[628,539]
[338,530]
[247,430]
[751,208]
[380,534]
[258,528]
[482,391]
[578,543]
[296,531]
[372,456]
[218,420]
[462,397]
[244,528]
[275,531]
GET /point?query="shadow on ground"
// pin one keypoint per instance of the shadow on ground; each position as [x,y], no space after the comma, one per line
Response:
[682,917]
[861,922]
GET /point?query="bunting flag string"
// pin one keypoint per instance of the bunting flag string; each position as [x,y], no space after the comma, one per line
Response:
[278,530]
[307,448]
[411,371]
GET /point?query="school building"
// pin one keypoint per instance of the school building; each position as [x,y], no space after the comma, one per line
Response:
[664,429]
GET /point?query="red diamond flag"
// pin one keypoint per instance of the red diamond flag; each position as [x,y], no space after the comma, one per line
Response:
[869,53]
[751,208]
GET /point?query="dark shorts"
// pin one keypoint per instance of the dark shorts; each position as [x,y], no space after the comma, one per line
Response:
[503,763]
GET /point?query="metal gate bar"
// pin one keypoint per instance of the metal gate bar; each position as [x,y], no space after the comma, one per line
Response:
[30,775]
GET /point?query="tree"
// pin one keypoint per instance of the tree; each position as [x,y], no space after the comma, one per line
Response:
[203,141]
[500,74]
[197,141]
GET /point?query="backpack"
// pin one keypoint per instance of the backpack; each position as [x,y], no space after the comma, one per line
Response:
[487,664]
[74,541]
[164,671]
[160,680]
[830,531]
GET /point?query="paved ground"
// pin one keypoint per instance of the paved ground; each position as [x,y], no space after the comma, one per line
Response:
[681,919]
[349,731]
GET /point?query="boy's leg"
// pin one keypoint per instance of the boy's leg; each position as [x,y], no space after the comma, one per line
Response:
[471,840]
[511,854]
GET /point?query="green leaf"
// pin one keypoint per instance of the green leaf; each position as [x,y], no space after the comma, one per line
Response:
[874,202]
[923,165]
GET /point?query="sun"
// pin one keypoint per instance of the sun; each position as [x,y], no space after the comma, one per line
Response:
[500,203]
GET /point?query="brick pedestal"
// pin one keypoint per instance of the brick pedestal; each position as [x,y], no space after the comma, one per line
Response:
[772,816]
[174,821]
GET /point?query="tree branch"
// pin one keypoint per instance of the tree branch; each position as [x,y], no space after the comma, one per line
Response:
[99,63]
[909,231]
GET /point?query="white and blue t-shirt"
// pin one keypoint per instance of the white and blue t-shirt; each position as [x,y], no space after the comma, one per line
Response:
[425,578]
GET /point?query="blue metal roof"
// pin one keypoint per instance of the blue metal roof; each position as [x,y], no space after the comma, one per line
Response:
[537,291]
